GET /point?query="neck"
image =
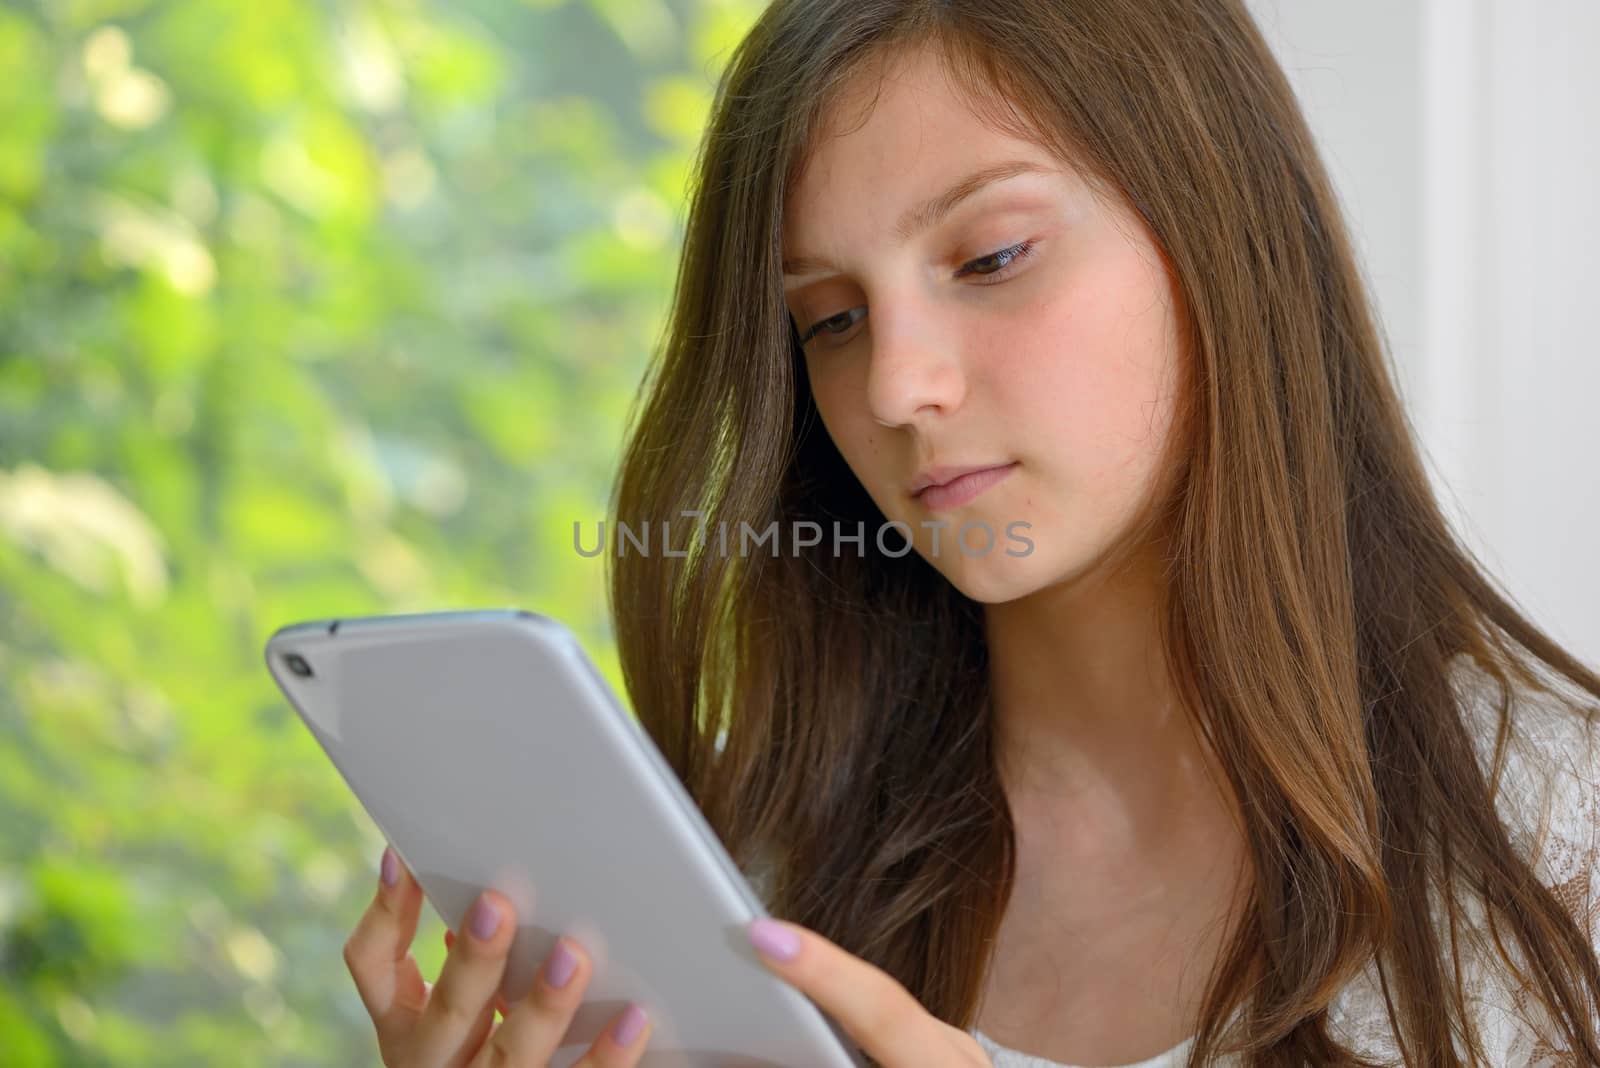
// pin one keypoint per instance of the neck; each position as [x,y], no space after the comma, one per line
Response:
[1086,709]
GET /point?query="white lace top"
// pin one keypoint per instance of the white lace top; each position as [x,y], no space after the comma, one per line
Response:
[1551,777]
[1004,1057]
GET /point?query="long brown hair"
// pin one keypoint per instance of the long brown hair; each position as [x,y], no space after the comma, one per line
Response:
[1315,593]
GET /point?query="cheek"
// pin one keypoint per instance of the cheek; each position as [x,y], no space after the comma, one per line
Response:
[1088,369]
[849,424]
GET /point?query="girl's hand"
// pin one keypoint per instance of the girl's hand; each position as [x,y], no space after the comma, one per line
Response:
[868,1003]
[451,1023]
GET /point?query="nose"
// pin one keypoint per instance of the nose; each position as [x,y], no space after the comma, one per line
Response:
[915,367]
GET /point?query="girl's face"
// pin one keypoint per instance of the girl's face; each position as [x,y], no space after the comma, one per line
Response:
[1017,321]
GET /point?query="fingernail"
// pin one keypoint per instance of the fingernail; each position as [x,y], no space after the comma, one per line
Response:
[774,940]
[559,968]
[628,1026]
[389,867]
[485,920]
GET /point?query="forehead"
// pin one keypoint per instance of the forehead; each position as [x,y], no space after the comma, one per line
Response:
[892,115]
[895,135]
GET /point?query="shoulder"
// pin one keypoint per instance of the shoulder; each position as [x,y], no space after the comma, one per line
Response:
[1548,797]
[1548,786]
[1546,791]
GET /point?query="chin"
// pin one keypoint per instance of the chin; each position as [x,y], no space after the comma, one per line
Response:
[993,579]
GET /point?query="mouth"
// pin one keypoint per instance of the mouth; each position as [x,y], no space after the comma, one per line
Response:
[942,475]
[943,489]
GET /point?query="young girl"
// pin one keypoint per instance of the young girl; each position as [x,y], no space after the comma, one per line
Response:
[1226,751]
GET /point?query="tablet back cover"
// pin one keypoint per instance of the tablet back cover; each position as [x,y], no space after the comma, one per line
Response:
[476,735]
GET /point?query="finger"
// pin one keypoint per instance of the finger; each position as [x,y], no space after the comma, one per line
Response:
[461,1006]
[533,1028]
[378,952]
[622,1044]
[881,1015]
[499,1000]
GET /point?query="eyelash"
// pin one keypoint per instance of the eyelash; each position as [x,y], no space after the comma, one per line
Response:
[1014,254]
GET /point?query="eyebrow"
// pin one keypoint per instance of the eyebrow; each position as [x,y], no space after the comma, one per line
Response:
[925,216]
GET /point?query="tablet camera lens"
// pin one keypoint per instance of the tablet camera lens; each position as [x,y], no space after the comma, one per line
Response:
[297,664]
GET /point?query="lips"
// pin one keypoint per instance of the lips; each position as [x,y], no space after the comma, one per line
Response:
[942,476]
[964,487]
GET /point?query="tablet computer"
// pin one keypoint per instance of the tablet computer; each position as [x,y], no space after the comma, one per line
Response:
[491,754]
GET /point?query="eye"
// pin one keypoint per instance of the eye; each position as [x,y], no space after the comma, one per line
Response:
[995,266]
[1006,256]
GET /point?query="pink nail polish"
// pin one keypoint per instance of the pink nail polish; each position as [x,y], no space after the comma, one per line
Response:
[484,920]
[628,1026]
[560,966]
[774,940]
[389,867]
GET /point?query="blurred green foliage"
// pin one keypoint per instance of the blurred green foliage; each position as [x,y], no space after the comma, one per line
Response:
[306,310]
